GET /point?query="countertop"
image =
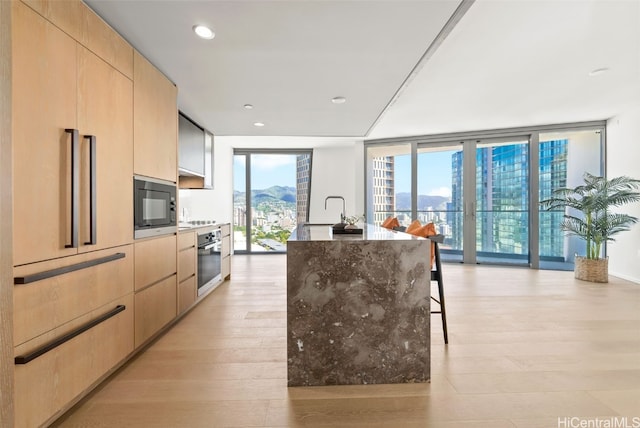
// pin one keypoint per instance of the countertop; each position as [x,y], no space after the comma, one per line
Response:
[186,227]
[370,232]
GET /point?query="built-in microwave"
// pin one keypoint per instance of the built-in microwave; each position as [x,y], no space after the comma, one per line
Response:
[154,207]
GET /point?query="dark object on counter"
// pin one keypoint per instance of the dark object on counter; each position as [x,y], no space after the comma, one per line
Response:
[338,226]
[344,231]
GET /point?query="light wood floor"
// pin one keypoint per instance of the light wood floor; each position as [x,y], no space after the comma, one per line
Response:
[525,348]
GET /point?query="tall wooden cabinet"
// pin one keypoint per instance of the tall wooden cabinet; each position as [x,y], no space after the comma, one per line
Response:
[59,85]
[72,142]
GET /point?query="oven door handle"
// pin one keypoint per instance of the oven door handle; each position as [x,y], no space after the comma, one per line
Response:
[208,247]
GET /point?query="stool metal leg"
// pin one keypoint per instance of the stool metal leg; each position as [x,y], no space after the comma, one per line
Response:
[437,276]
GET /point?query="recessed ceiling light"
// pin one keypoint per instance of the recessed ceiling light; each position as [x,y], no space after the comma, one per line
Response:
[338,100]
[204,32]
[258,124]
[598,71]
[248,106]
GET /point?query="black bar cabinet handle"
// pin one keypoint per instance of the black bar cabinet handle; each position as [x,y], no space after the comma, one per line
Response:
[66,269]
[93,213]
[24,359]
[75,186]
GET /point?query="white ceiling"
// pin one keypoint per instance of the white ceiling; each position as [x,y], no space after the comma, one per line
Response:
[504,64]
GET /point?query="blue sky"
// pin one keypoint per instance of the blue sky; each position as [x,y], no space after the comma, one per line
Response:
[266,171]
[434,172]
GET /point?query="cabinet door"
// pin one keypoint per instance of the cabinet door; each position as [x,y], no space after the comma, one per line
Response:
[45,304]
[44,104]
[155,121]
[105,110]
[155,259]
[155,307]
[186,294]
[46,385]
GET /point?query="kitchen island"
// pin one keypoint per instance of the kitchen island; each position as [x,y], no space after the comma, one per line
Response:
[357,307]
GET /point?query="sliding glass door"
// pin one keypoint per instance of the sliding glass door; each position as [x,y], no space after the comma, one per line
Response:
[481,209]
[501,203]
[440,186]
[564,158]
[271,194]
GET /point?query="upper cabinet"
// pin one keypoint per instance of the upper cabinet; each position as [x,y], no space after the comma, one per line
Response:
[195,155]
[83,25]
[155,122]
[72,130]
[190,148]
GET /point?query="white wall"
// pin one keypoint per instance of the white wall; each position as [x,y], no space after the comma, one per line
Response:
[623,158]
[338,169]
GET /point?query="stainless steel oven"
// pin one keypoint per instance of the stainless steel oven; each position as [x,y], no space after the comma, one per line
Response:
[154,207]
[209,260]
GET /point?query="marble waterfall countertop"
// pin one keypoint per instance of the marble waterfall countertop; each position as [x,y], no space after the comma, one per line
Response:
[357,307]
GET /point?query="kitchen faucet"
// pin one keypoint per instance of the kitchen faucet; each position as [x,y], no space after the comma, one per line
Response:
[343,215]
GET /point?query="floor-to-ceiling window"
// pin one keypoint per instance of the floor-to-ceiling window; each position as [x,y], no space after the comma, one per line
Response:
[270,198]
[440,187]
[482,189]
[502,201]
[564,158]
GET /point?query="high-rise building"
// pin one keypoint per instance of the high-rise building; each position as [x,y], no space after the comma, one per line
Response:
[303,179]
[383,188]
[456,205]
[553,175]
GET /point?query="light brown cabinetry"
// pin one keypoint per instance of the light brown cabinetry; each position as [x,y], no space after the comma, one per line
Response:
[155,122]
[45,385]
[80,22]
[155,260]
[225,252]
[58,84]
[155,286]
[40,305]
[61,297]
[186,270]
[155,307]
[73,214]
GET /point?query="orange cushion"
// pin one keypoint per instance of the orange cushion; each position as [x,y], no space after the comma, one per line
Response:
[413,226]
[390,223]
[393,223]
[386,221]
[425,231]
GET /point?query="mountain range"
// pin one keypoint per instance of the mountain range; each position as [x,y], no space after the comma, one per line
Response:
[271,194]
[403,201]
[288,194]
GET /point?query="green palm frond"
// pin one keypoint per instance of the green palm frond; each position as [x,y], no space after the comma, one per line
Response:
[594,199]
[611,224]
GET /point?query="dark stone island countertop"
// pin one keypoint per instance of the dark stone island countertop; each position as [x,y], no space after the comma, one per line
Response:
[357,307]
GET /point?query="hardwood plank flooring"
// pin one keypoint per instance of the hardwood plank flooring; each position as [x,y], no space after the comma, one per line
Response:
[525,348]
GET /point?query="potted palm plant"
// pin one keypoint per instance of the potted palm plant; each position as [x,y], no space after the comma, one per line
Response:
[596,224]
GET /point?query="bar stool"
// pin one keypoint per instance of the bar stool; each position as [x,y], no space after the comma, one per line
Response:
[436,275]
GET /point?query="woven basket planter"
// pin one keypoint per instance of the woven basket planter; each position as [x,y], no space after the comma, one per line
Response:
[594,270]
